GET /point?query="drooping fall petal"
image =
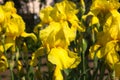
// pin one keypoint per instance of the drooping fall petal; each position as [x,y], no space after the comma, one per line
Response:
[61,58]
[3,63]
[24,34]
[57,74]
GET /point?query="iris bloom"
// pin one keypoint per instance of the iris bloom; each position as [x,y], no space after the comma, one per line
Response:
[108,40]
[12,26]
[109,52]
[61,26]
[102,8]
[62,11]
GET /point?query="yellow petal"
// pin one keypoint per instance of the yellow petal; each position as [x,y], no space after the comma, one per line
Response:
[61,58]
[11,29]
[114,29]
[117,70]
[74,55]
[9,42]
[24,34]
[65,35]
[45,14]
[91,18]
[57,34]
[34,60]
[93,49]
[2,15]
[14,26]
[105,5]
[16,19]
[64,10]
[47,35]
[112,58]
[19,65]
[9,7]
[57,13]
[3,63]
[57,74]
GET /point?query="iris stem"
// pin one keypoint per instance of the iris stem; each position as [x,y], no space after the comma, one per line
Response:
[83,64]
[12,75]
[84,47]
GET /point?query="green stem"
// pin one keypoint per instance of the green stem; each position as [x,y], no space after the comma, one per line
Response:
[84,48]
[83,65]
[12,75]
[3,43]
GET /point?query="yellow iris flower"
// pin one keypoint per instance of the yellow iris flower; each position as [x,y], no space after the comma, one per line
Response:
[15,27]
[109,52]
[102,8]
[111,28]
[61,26]
[12,26]
[107,42]
[62,11]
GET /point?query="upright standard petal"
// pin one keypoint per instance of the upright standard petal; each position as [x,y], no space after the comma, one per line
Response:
[45,15]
